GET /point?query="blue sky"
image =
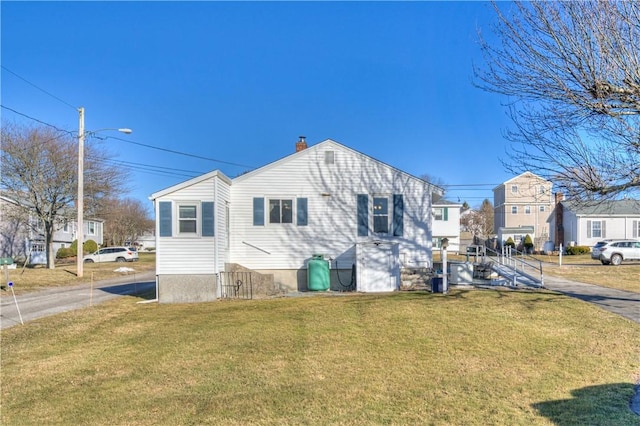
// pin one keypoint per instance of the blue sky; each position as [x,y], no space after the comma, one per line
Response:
[238,82]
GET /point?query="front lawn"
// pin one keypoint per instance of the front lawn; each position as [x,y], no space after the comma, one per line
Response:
[65,273]
[472,357]
[582,268]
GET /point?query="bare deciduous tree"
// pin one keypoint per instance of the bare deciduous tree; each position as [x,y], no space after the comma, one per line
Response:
[39,173]
[125,220]
[479,222]
[572,73]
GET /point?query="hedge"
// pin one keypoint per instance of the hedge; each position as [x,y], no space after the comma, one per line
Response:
[578,250]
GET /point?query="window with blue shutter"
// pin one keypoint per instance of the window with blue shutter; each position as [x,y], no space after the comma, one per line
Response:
[398,215]
[363,215]
[258,211]
[164,214]
[301,204]
[208,227]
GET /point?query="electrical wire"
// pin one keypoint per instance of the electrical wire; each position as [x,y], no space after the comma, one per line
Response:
[39,88]
[89,134]
[36,120]
[179,153]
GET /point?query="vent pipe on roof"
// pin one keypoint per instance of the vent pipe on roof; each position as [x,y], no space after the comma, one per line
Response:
[301,144]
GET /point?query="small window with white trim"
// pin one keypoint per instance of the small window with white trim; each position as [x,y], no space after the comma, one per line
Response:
[188,219]
[514,209]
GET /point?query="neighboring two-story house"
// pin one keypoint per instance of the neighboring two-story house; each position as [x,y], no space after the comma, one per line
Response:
[23,237]
[524,205]
[446,224]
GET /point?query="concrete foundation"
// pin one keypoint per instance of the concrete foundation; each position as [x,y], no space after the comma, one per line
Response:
[289,280]
[186,288]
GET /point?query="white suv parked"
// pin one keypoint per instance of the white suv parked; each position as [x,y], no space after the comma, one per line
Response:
[615,251]
[112,254]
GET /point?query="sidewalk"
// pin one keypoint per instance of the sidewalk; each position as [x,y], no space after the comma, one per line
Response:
[620,302]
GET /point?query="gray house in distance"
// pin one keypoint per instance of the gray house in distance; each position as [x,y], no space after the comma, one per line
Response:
[586,223]
[24,238]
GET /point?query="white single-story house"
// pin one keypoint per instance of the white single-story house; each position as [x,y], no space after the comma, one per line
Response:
[516,233]
[586,223]
[327,199]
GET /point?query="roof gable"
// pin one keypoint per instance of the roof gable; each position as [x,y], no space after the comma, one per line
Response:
[335,145]
[527,175]
[190,182]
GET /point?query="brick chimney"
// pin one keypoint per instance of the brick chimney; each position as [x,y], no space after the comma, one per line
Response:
[559,197]
[301,144]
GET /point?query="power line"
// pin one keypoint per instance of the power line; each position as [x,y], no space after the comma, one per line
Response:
[39,88]
[473,184]
[178,152]
[36,120]
[140,167]
[128,141]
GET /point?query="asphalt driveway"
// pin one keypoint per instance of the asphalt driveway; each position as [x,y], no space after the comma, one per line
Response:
[62,299]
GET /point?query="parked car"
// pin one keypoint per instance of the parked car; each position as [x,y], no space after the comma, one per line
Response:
[112,254]
[615,251]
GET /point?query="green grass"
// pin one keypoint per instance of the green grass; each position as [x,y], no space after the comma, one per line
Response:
[469,358]
[65,273]
[582,268]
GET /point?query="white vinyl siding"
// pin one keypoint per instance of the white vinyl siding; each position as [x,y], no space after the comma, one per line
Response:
[332,192]
[188,252]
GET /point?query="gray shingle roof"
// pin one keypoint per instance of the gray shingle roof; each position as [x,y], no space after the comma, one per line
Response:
[609,208]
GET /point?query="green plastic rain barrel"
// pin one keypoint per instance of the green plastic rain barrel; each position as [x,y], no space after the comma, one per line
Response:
[318,273]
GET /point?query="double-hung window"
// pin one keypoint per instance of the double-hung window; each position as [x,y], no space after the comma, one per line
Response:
[381,215]
[187,219]
[280,211]
[514,209]
[441,213]
[91,228]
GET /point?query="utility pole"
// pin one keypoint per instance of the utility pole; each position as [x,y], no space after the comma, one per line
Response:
[80,203]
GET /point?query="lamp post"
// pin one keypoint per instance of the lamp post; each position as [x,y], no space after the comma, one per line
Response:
[80,201]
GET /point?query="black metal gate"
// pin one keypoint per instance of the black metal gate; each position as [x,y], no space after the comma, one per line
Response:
[235,285]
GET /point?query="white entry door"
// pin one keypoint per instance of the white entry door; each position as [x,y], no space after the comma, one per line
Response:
[377,267]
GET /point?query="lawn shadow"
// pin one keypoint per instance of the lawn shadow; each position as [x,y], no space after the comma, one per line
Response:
[144,289]
[593,405]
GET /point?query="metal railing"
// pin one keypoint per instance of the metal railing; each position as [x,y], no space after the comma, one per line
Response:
[235,285]
[520,263]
